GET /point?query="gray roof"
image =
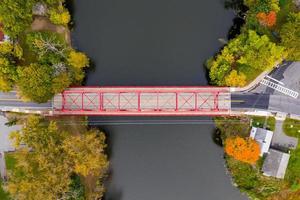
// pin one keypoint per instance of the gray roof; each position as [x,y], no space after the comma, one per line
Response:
[275,164]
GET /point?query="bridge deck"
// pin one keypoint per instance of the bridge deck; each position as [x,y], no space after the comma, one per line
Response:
[143,101]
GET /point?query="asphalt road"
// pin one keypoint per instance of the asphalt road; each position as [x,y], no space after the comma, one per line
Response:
[10,99]
[250,100]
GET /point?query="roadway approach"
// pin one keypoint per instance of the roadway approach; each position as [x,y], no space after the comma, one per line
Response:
[153,101]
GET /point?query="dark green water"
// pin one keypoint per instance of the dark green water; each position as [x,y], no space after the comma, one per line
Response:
[156,42]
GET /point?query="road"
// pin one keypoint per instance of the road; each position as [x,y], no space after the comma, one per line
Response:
[239,101]
[10,101]
[267,102]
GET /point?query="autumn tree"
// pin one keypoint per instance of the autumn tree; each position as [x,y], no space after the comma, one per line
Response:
[87,152]
[267,19]
[235,79]
[49,160]
[42,170]
[248,52]
[246,150]
[78,60]
[35,82]
[60,16]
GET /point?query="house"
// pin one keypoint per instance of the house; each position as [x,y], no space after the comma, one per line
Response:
[263,137]
[275,164]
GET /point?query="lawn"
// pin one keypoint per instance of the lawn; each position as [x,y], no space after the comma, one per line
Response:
[293,170]
[10,163]
[258,121]
[291,127]
[3,195]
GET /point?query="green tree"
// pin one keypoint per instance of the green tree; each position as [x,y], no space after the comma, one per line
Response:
[16,16]
[290,36]
[35,82]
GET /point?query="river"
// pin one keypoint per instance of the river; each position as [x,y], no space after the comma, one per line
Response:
[156,42]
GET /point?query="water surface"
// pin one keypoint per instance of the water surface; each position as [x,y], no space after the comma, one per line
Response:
[156,42]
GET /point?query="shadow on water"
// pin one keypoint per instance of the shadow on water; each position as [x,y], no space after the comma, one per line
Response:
[70,5]
[90,69]
[216,137]
[240,12]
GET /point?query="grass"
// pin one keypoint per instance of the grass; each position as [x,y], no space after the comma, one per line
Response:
[293,170]
[250,72]
[10,161]
[258,121]
[250,180]
[3,195]
[10,164]
[291,127]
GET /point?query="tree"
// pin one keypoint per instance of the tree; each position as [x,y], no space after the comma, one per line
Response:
[42,170]
[87,152]
[78,59]
[16,16]
[35,82]
[267,19]
[290,36]
[49,160]
[60,82]
[248,50]
[45,44]
[235,79]
[60,16]
[246,150]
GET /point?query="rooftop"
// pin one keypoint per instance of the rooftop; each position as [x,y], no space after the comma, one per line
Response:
[275,164]
[263,137]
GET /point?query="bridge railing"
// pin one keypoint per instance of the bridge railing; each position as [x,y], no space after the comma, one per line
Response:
[150,101]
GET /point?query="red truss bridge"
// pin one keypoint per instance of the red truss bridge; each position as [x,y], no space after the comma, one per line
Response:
[143,101]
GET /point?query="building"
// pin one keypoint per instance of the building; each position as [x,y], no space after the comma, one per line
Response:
[263,137]
[275,164]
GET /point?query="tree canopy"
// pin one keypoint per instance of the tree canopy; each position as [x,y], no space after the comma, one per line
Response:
[248,53]
[246,150]
[48,158]
[290,36]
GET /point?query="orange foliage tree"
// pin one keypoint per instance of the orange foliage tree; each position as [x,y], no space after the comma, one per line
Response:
[246,150]
[267,19]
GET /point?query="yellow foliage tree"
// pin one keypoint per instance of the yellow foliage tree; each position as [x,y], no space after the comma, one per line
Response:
[245,150]
[86,151]
[235,79]
[60,16]
[78,59]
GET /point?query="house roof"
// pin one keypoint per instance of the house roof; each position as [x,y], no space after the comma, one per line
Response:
[275,164]
[263,137]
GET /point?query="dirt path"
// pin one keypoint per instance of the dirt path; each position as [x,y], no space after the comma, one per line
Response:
[41,23]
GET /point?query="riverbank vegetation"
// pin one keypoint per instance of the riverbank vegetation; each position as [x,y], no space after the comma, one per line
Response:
[269,35]
[38,60]
[246,174]
[53,161]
